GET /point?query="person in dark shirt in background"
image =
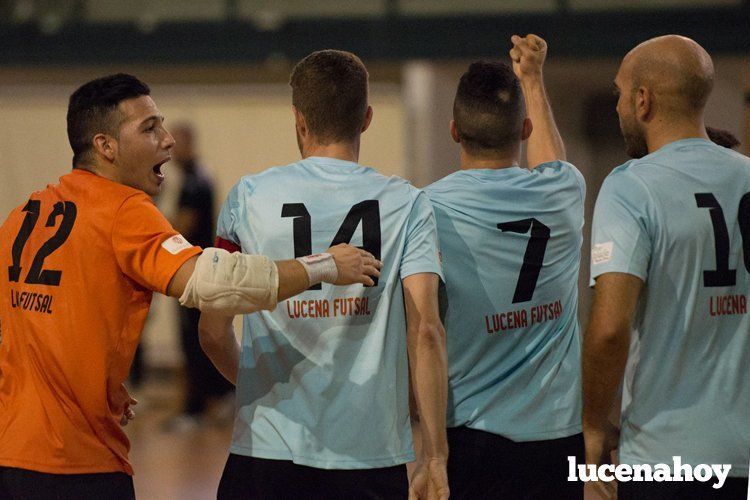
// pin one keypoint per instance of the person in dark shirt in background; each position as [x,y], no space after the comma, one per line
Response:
[194,219]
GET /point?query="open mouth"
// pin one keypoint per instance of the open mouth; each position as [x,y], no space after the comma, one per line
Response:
[157,169]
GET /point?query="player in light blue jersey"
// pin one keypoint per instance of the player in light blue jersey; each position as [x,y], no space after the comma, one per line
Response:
[511,242]
[671,265]
[324,380]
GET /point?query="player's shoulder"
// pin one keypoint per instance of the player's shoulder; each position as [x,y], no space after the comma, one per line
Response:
[445,184]
[557,169]
[631,183]
[136,202]
[373,176]
[631,170]
[390,183]
[14,215]
[249,182]
[108,195]
[652,171]
[734,158]
[86,188]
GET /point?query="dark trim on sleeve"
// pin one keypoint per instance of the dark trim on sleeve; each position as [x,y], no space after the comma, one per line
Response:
[229,246]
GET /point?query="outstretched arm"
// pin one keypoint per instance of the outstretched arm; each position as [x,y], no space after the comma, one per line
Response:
[544,143]
[236,283]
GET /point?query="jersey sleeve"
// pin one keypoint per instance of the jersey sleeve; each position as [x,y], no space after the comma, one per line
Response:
[421,254]
[620,240]
[580,181]
[226,226]
[148,250]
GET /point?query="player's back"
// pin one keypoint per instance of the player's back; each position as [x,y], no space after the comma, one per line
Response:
[510,240]
[324,378]
[686,390]
[70,322]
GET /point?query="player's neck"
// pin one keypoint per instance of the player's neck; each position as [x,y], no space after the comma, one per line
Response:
[347,151]
[471,162]
[107,171]
[667,131]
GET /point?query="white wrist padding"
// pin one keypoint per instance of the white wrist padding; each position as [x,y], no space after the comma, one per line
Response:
[232,283]
[320,268]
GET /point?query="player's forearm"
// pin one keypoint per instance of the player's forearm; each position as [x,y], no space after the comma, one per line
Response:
[544,143]
[293,279]
[217,338]
[605,353]
[429,379]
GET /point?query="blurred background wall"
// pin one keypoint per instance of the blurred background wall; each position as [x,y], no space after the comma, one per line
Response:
[223,66]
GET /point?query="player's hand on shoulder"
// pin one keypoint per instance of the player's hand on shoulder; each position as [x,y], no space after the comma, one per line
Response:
[528,55]
[429,480]
[354,265]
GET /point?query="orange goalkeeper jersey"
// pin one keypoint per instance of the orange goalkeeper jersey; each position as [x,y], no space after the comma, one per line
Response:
[78,263]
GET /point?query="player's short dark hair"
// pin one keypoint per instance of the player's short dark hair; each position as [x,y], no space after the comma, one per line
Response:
[329,88]
[92,109]
[489,109]
[722,137]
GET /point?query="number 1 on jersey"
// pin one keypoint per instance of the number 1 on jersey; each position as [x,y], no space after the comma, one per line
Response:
[37,275]
[722,275]
[368,212]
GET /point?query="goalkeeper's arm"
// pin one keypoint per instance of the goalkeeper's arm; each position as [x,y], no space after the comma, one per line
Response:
[235,283]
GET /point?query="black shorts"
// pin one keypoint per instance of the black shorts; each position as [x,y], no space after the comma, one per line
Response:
[259,478]
[22,484]
[734,488]
[485,465]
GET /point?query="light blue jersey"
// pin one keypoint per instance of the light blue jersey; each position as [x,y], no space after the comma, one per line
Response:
[679,219]
[323,379]
[511,243]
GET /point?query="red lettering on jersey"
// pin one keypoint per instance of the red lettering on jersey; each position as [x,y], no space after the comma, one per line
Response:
[325,308]
[723,305]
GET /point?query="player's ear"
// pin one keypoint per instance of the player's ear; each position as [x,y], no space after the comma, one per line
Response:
[454,133]
[105,146]
[368,119]
[526,129]
[644,103]
[299,122]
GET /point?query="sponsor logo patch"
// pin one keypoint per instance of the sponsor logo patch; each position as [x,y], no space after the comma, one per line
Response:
[602,252]
[176,244]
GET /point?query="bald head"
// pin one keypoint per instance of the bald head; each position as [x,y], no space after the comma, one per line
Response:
[677,71]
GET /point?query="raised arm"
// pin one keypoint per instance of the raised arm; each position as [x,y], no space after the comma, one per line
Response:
[428,372]
[605,351]
[544,143]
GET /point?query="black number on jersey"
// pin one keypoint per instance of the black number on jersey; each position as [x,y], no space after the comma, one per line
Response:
[29,221]
[532,259]
[37,275]
[301,226]
[367,212]
[722,275]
